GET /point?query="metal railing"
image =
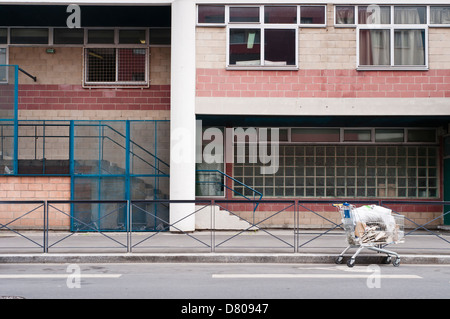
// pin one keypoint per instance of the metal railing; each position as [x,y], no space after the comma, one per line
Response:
[279,226]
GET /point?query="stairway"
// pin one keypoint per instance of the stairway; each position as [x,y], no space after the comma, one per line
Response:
[223,220]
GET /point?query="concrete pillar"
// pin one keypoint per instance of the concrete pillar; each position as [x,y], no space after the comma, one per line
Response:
[182,115]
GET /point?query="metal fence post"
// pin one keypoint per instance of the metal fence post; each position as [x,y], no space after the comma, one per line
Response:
[296,225]
[128,221]
[46,223]
[213,226]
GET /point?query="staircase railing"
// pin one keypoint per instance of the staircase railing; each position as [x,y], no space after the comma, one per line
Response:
[256,194]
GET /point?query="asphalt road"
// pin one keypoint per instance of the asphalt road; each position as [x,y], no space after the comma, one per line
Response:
[246,282]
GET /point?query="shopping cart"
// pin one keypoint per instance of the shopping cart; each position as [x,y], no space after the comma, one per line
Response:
[371,227]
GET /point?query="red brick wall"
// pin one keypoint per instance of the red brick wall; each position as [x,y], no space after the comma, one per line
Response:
[323,83]
[14,188]
[75,97]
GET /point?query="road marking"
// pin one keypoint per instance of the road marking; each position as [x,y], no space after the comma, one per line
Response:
[55,276]
[310,276]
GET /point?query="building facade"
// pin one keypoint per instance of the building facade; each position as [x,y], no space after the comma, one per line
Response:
[357,94]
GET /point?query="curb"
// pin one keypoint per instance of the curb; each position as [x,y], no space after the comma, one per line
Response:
[213,258]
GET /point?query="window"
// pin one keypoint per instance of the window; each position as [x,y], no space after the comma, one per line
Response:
[392,37]
[345,15]
[132,37]
[244,14]
[311,171]
[389,135]
[357,135]
[68,36]
[3,69]
[374,15]
[312,15]
[262,35]
[29,36]
[116,65]
[160,36]
[211,14]
[314,135]
[410,15]
[279,47]
[256,44]
[280,14]
[116,57]
[440,15]
[3,36]
[221,15]
[100,36]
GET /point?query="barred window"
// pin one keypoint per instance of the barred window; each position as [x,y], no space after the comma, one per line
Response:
[123,66]
[116,57]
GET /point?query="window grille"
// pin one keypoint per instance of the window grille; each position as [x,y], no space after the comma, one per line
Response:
[123,66]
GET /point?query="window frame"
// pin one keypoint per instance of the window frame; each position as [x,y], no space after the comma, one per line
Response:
[116,46]
[261,15]
[5,46]
[435,25]
[392,27]
[262,27]
[377,189]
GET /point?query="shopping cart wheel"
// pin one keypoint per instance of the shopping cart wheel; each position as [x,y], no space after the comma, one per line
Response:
[339,259]
[388,260]
[396,262]
[351,262]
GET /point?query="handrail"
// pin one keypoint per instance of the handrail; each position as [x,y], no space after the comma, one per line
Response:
[28,74]
[131,141]
[235,180]
[66,123]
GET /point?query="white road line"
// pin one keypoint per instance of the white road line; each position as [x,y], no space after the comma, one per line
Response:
[313,276]
[55,276]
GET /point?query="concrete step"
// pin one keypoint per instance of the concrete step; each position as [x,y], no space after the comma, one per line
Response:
[223,220]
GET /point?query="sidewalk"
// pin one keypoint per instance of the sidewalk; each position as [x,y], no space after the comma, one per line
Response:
[269,246]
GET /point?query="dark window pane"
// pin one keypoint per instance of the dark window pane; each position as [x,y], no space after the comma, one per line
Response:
[68,36]
[211,14]
[29,36]
[314,135]
[312,15]
[244,14]
[132,37]
[280,14]
[132,65]
[245,48]
[101,36]
[3,36]
[374,47]
[101,65]
[279,47]
[422,135]
[160,36]
[345,15]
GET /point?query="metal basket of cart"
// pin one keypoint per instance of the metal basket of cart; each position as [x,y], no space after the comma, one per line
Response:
[370,227]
